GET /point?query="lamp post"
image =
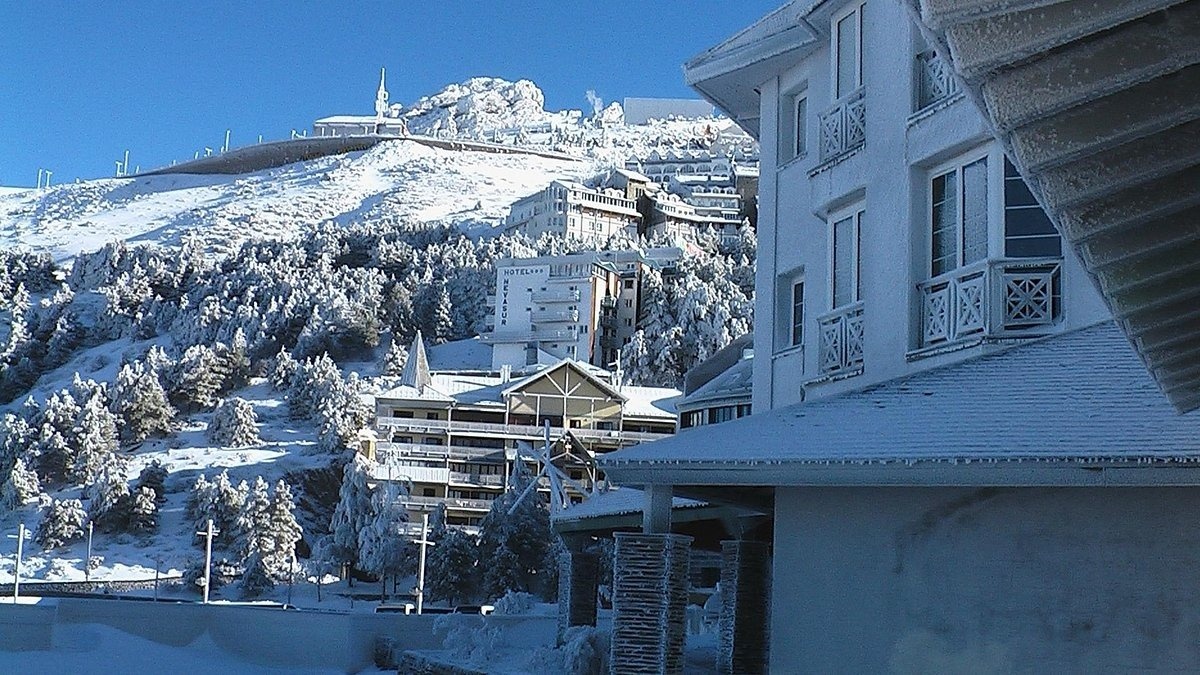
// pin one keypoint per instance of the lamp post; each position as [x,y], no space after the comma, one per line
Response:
[21,536]
[208,534]
[87,562]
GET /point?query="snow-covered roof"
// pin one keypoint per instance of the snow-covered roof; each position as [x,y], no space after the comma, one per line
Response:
[649,401]
[469,354]
[734,384]
[357,119]
[1077,408]
[618,501]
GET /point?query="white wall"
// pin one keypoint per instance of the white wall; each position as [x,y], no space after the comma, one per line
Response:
[925,580]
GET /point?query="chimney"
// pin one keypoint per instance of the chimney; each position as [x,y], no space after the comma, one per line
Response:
[505,373]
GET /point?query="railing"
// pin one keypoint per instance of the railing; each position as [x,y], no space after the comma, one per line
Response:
[557,295]
[387,452]
[512,430]
[560,316]
[935,79]
[483,479]
[990,298]
[532,335]
[844,126]
[416,474]
[841,340]
[413,501]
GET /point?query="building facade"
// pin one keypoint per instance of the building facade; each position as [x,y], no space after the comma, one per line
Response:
[454,437]
[583,306]
[721,388]
[576,211]
[954,443]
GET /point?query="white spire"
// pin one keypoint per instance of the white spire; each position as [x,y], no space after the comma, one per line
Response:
[381,98]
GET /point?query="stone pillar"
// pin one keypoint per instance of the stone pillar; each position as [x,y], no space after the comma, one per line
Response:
[650,595]
[578,581]
[745,607]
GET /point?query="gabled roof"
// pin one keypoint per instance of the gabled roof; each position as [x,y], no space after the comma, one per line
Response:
[573,365]
[1077,408]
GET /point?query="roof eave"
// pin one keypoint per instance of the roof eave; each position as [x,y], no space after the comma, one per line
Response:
[1027,473]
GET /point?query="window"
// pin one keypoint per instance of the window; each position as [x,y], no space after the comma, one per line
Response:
[800,121]
[629,283]
[793,125]
[847,52]
[847,285]
[629,302]
[1028,232]
[797,313]
[959,217]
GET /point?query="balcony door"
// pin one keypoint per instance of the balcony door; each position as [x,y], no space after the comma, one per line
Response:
[847,52]
[958,216]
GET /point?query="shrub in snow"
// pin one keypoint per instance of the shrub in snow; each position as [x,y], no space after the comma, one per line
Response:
[196,379]
[469,638]
[219,501]
[153,476]
[20,486]
[514,602]
[282,371]
[584,650]
[141,404]
[95,442]
[234,425]
[143,511]
[62,522]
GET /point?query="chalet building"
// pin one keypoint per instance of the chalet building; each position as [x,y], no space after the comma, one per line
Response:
[583,306]
[574,210]
[955,457]
[386,121]
[454,436]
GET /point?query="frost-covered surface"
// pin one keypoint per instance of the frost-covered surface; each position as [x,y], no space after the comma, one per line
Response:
[400,183]
[1082,396]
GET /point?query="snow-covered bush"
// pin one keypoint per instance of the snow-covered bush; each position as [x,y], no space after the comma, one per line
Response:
[585,650]
[143,511]
[153,476]
[20,486]
[63,521]
[234,425]
[515,602]
[353,513]
[382,550]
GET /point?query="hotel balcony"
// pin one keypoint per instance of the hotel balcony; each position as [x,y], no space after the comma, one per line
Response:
[416,503]
[559,316]
[935,80]
[504,431]
[555,295]
[991,299]
[840,349]
[534,335]
[844,126]
[392,453]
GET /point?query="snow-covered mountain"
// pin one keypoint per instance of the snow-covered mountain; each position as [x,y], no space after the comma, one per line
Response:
[482,104]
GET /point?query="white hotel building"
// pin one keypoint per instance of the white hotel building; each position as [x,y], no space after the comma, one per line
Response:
[574,210]
[959,459]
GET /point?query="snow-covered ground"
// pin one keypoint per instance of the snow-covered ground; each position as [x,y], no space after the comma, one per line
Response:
[401,183]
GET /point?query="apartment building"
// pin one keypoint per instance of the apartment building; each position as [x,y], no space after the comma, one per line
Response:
[454,437]
[574,210]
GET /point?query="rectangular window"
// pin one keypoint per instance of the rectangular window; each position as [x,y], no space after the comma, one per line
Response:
[847,285]
[848,53]
[798,313]
[959,217]
[800,125]
[1028,232]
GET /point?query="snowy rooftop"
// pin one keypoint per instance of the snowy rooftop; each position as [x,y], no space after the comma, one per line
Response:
[487,389]
[1077,408]
[736,382]
[618,501]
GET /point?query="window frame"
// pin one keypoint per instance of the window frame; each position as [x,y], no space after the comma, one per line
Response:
[956,166]
[855,10]
[854,213]
[796,336]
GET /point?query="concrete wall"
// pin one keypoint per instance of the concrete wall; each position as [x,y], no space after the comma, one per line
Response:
[914,580]
[263,636]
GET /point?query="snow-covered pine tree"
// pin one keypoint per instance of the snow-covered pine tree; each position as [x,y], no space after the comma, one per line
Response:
[525,533]
[95,438]
[62,522]
[282,370]
[442,327]
[256,580]
[20,486]
[396,357]
[451,568]
[381,545]
[219,500]
[285,531]
[253,525]
[196,379]
[143,511]
[352,514]
[140,403]
[234,424]
[107,493]
[502,573]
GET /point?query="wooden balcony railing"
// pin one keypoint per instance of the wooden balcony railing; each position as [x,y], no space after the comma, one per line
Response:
[991,298]
[844,126]
[841,340]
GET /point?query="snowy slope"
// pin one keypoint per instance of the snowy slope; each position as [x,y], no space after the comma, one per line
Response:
[397,182]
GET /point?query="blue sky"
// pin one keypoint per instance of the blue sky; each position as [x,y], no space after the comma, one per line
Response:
[82,81]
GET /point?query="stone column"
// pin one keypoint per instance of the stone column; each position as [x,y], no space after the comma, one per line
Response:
[650,594]
[745,607]
[578,581]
